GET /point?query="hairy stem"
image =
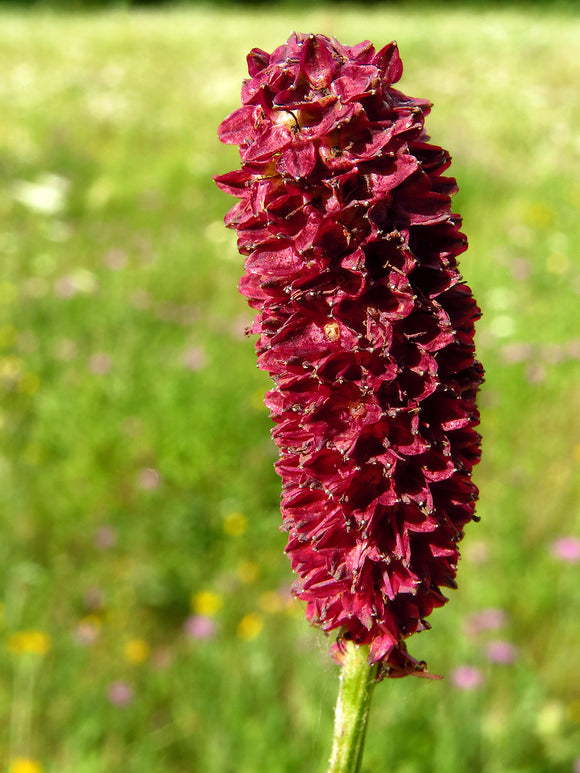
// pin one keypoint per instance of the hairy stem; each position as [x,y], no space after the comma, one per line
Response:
[357,682]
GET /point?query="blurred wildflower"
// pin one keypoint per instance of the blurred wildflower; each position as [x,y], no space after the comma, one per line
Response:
[140,299]
[87,630]
[552,353]
[477,552]
[550,718]
[199,627]
[235,524]
[136,651]
[521,269]
[29,384]
[66,349]
[240,327]
[539,215]
[31,642]
[271,602]
[500,298]
[250,626]
[485,620]
[516,352]
[100,363]
[24,765]
[100,193]
[186,315]
[94,598]
[27,342]
[80,280]
[168,312]
[248,572]
[148,479]
[115,259]
[566,549]
[501,326]
[557,263]
[366,328]
[206,603]
[500,652]
[466,678]
[105,537]
[162,658]
[10,368]
[576,766]
[46,196]
[194,358]
[120,694]
[35,287]
[535,373]
[8,335]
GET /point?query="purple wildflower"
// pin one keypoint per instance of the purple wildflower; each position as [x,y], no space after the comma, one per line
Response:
[466,678]
[120,694]
[501,652]
[199,627]
[567,549]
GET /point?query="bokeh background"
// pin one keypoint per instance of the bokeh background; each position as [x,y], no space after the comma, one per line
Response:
[146,622]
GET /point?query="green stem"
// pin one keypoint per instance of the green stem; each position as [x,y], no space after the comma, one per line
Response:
[357,682]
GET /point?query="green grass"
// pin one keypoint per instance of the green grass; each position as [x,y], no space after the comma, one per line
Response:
[130,405]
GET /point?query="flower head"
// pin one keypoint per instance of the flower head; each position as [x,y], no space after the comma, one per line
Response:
[567,549]
[24,765]
[366,328]
[199,627]
[466,678]
[31,642]
[120,694]
[499,651]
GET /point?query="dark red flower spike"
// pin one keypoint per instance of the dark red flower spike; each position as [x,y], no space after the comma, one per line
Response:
[366,329]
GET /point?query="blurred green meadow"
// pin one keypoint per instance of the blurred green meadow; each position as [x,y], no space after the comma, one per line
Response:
[146,623]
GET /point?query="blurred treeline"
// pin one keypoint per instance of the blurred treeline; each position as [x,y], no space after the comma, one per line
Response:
[105,4]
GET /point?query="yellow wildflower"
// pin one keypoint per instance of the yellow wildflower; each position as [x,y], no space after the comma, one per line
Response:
[539,215]
[24,765]
[136,651]
[250,626]
[206,602]
[248,572]
[30,642]
[271,602]
[29,384]
[235,524]
[10,368]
